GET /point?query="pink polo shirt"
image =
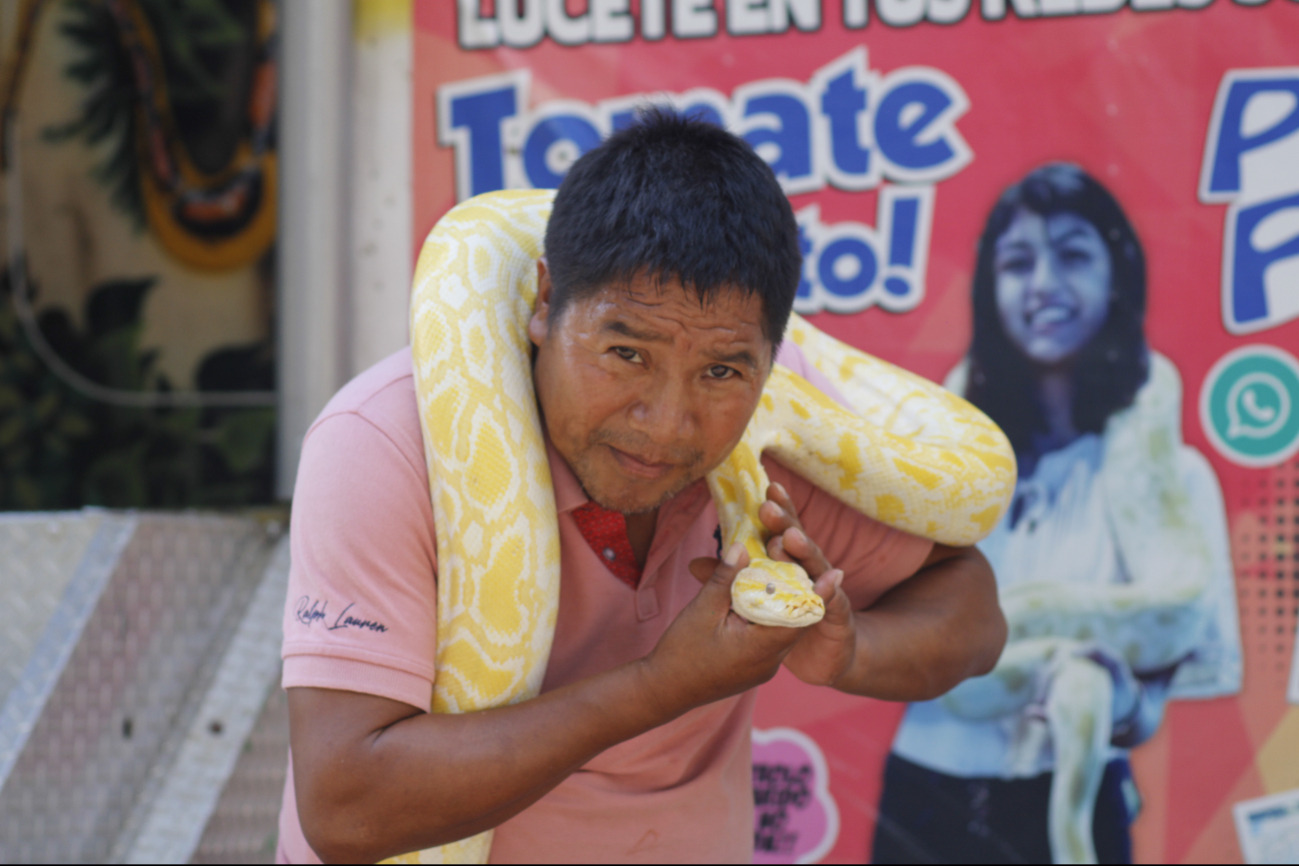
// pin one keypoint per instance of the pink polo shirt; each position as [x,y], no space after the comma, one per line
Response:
[360,616]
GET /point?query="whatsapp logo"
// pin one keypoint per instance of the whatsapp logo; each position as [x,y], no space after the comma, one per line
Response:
[1249,406]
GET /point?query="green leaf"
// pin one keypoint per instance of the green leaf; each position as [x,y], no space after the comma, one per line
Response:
[45,407]
[117,480]
[11,429]
[186,30]
[27,494]
[244,437]
[74,426]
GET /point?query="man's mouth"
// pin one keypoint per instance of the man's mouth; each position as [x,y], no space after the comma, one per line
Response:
[639,467]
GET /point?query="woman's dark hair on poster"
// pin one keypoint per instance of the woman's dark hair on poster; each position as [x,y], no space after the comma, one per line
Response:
[1112,367]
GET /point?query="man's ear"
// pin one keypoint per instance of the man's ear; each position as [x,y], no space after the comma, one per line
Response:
[539,324]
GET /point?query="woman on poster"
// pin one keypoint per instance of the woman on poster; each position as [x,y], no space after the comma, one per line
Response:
[1059,360]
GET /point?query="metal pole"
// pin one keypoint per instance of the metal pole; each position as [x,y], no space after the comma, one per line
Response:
[314,223]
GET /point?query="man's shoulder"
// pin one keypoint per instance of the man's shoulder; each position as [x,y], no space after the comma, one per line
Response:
[367,392]
[384,396]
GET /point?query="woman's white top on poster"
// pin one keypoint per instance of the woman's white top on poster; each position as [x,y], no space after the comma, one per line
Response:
[1059,529]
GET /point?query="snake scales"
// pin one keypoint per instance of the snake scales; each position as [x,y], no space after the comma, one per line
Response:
[912,455]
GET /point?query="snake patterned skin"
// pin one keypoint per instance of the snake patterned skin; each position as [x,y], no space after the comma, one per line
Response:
[915,457]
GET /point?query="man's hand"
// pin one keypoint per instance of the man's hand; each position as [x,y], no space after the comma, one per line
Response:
[914,643]
[824,651]
[710,652]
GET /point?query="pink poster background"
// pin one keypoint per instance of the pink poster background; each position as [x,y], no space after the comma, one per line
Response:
[1126,95]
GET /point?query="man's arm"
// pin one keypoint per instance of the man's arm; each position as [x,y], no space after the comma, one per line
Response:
[928,633]
[376,777]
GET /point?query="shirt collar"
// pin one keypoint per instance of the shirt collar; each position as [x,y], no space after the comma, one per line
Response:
[568,492]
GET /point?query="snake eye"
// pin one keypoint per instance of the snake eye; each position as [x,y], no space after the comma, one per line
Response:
[771,589]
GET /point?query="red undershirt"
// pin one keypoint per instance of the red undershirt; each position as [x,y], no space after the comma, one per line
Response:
[606,532]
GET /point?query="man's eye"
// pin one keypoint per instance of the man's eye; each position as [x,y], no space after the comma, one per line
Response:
[720,371]
[627,354]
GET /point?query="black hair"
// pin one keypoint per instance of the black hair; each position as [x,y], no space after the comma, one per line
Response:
[1112,367]
[675,198]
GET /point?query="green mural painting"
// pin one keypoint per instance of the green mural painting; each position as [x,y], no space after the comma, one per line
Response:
[137,143]
[60,448]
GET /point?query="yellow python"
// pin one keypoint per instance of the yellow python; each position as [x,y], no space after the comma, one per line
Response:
[913,456]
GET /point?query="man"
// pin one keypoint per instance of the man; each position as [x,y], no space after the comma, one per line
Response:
[672,263]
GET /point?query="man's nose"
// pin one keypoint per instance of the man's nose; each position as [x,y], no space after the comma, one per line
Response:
[665,412]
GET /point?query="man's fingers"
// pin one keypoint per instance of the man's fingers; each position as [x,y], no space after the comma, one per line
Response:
[828,584]
[786,540]
[802,549]
[778,512]
[776,549]
[778,494]
[703,567]
[773,638]
[838,617]
[793,545]
[775,519]
[735,559]
[718,582]
[838,607]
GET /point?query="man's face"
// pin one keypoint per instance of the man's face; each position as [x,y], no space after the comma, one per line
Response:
[644,390]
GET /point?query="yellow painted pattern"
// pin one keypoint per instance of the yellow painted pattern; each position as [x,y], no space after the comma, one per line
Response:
[377,18]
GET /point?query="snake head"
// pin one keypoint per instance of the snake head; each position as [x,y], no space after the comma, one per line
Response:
[769,592]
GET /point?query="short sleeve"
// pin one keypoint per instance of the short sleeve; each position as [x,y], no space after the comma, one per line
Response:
[361,609]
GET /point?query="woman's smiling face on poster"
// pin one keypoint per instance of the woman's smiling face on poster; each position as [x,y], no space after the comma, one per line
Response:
[1053,279]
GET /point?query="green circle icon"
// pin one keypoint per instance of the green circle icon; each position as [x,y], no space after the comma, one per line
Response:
[1249,406]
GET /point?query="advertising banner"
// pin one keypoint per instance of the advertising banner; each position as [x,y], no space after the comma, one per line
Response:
[1082,215]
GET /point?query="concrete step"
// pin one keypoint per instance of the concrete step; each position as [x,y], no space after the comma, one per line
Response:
[138,653]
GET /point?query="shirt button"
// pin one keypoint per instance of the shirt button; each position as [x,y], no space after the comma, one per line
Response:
[609,554]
